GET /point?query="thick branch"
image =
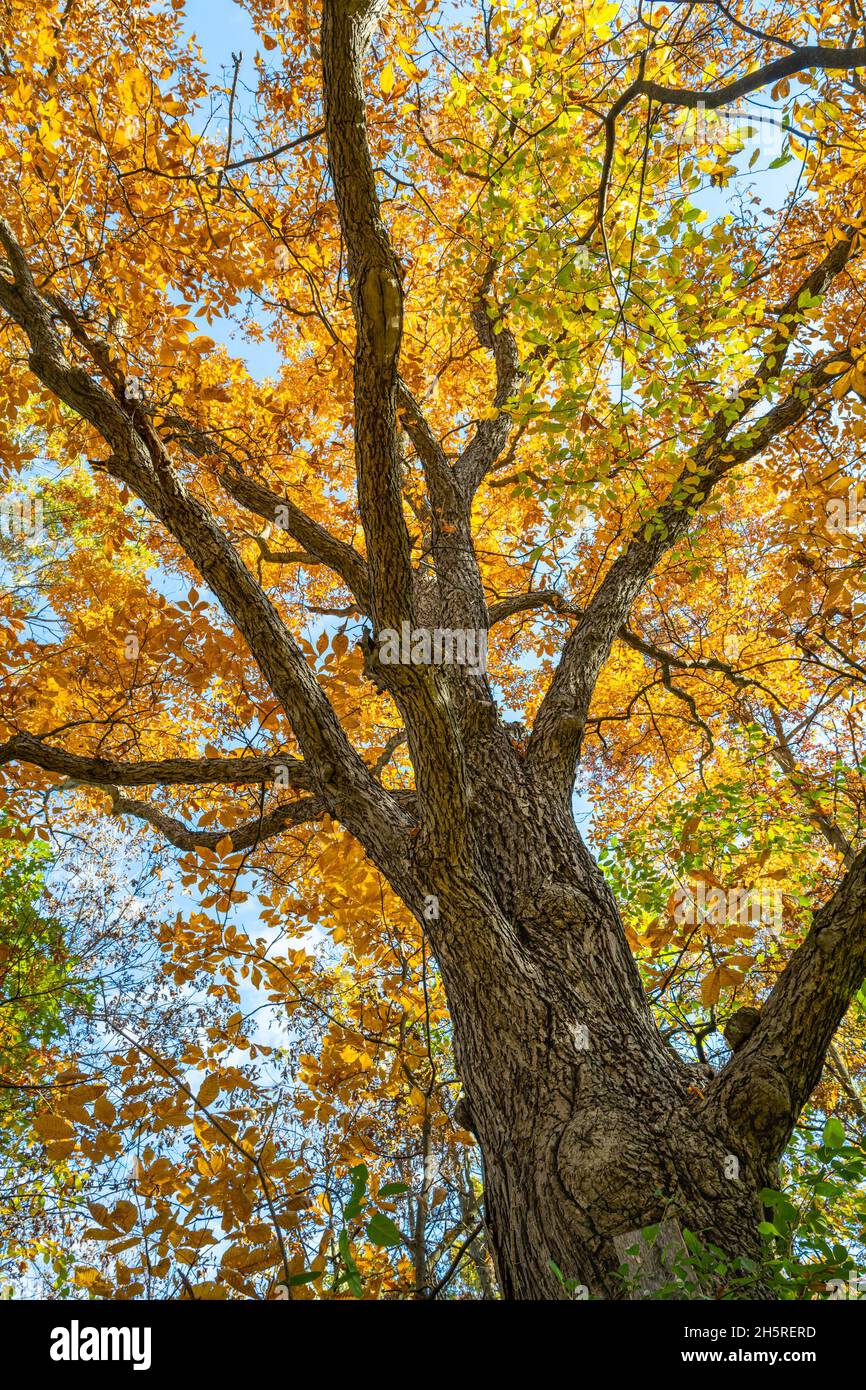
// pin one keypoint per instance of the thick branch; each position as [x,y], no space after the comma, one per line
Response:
[556,737]
[491,436]
[529,603]
[798,60]
[438,472]
[317,540]
[377,302]
[242,771]
[813,57]
[451,490]
[326,549]
[139,460]
[245,836]
[768,1081]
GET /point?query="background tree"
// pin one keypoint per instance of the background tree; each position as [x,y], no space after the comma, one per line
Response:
[605,405]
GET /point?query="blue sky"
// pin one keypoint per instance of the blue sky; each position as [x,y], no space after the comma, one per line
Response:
[222,28]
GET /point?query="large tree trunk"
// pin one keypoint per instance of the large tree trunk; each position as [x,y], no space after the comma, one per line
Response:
[583,1145]
[589,1123]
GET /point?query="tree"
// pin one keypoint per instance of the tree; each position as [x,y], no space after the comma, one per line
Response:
[38,985]
[35,980]
[596,401]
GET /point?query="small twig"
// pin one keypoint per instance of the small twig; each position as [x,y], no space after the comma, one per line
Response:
[452,1268]
[237,59]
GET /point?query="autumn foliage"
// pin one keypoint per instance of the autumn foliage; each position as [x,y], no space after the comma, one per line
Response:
[245,1083]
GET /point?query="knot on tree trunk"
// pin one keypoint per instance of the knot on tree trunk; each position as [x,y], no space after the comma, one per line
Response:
[382,301]
[740,1027]
[761,1108]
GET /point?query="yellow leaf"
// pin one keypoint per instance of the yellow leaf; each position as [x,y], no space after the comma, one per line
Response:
[52,1127]
[720,977]
[60,1150]
[104,1111]
[710,987]
[124,1216]
[210,1089]
[133,90]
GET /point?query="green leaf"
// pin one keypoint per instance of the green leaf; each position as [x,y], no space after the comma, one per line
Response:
[393,1189]
[352,1275]
[354,1206]
[382,1231]
[834,1134]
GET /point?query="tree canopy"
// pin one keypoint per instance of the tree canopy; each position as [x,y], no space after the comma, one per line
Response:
[564,305]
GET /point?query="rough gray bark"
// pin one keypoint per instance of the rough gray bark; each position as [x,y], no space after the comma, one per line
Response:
[589,1123]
